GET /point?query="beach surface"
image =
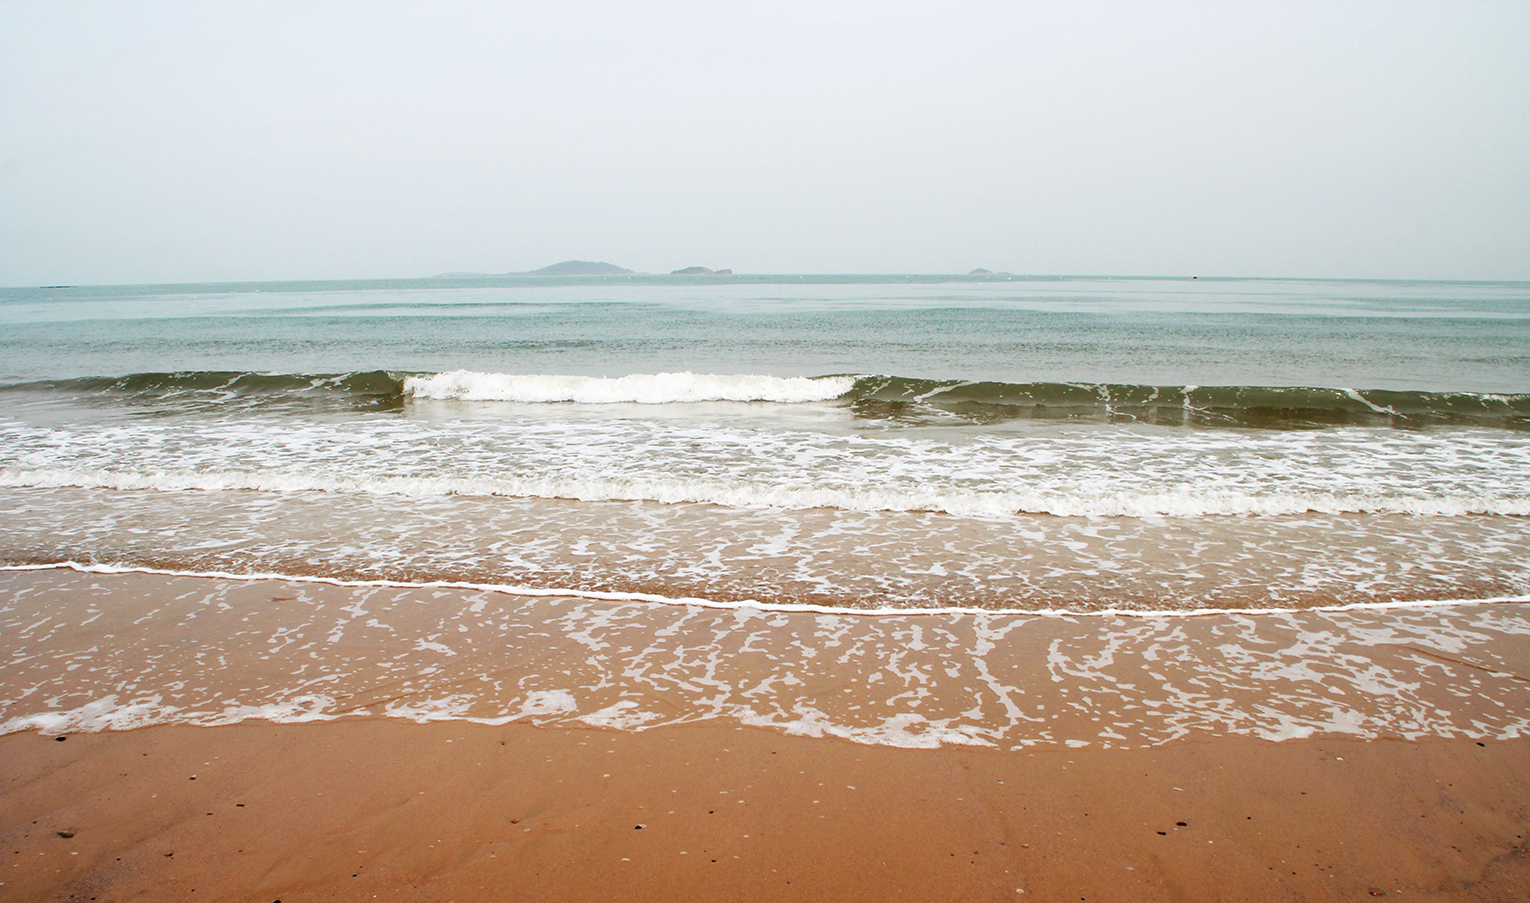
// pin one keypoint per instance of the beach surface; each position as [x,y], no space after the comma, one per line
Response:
[192,738]
[369,809]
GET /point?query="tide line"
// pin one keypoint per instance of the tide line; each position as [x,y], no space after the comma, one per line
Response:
[788,607]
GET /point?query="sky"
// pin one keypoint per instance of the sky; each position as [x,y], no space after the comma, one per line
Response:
[197,142]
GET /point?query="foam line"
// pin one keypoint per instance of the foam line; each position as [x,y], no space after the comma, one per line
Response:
[710,489]
[750,604]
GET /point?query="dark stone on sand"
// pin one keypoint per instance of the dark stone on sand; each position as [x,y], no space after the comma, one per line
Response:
[62,739]
[66,833]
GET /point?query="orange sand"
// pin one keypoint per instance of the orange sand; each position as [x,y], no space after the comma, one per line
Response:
[367,809]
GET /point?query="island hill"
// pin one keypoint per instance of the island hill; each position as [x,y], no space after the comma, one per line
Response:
[587,268]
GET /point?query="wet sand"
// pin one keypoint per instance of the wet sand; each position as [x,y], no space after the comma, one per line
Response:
[370,809]
[90,651]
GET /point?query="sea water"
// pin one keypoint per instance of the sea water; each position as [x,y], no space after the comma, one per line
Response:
[990,447]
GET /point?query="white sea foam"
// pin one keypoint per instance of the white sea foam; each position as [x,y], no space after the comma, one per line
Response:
[640,388]
[1106,472]
[1180,502]
[101,714]
[548,702]
[623,715]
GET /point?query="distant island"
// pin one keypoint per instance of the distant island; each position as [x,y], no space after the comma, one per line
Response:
[601,268]
[566,268]
[580,268]
[585,268]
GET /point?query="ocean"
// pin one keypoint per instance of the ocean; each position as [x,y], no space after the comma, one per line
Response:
[798,481]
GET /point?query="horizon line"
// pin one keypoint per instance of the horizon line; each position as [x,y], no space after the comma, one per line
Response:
[737,276]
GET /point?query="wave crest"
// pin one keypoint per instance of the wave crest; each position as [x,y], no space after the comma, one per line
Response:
[640,388]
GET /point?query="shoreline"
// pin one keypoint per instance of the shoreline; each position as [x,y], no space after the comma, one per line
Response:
[376,809]
[96,650]
[532,592]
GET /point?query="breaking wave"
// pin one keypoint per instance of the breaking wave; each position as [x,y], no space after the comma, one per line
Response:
[641,388]
[885,398]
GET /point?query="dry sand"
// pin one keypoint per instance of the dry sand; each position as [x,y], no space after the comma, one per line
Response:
[370,809]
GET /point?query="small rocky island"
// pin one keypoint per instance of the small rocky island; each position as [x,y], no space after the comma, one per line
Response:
[701,271]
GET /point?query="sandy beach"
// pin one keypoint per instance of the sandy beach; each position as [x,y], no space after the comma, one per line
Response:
[370,809]
[180,737]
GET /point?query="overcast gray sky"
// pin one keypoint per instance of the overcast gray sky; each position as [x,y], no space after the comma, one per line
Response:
[148,142]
